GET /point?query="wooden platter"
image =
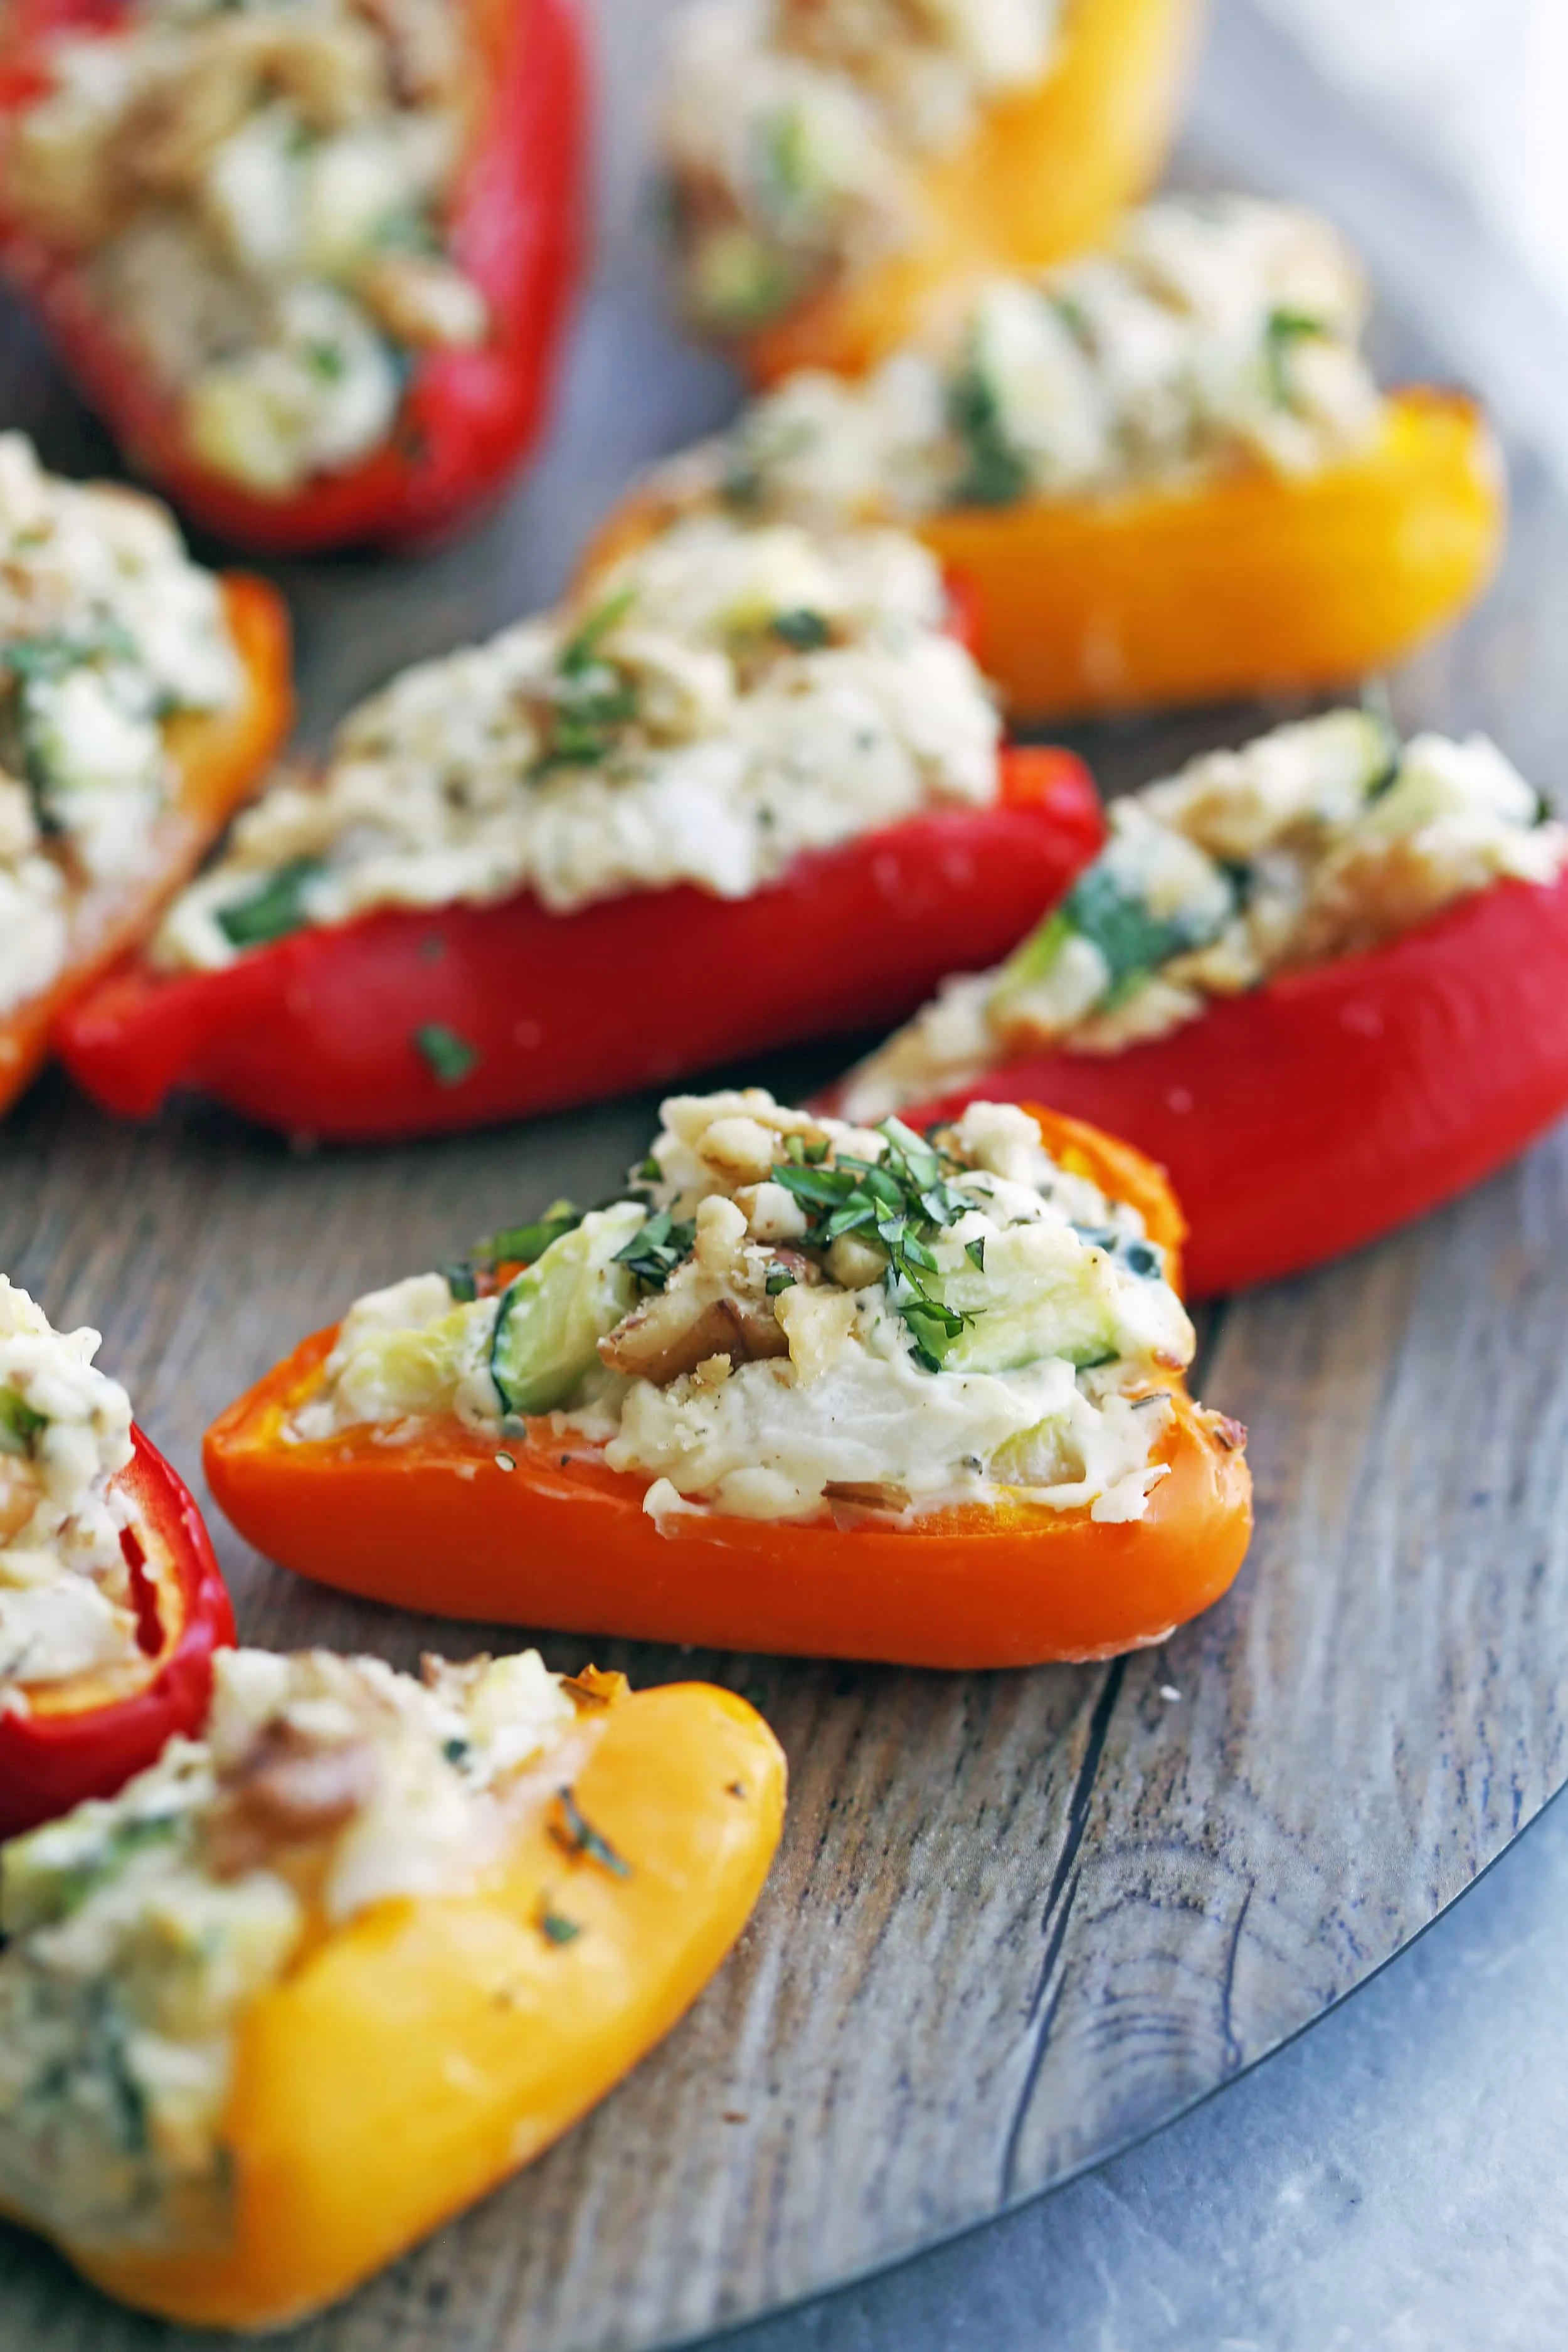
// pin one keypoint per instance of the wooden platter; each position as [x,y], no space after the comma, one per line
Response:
[1018,1918]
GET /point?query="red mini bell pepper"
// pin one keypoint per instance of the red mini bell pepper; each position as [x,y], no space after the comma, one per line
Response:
[410,1023]
[468,417]
[62,1742]
[1308,1118]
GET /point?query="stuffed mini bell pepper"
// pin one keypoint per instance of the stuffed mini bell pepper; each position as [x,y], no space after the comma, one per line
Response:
[141,700]
[835,165]
[312,262]
[1323,979]
[1163,473]
[111,1601]
[340,1963]
[802,1386]
[746,789]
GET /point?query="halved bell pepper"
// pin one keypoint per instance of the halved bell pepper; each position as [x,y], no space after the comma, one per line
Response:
[544,1533]
[418,2055]
[1309,1116]
[219,757]
[62,1742]
[468,417]
[412,1023]
[1240,585]
[1041,176]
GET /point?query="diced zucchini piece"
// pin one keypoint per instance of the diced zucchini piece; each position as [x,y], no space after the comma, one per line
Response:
[1040,1292]
[552,1317]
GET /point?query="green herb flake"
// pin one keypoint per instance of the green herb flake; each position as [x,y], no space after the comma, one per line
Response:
[578,1835]
[1284,331]
[994,475]
[780,1280]
[449,1057]
[657,1247]
[906,1200]
[976,1253]
[20,1426]
[523,1244]
[593,700]
[554,1926]
[274,911]
[803,631]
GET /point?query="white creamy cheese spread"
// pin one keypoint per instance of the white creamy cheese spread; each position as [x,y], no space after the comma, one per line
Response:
[66,1603]
[793,130]
[789,1314]
[141,1929]
[1321,839]
[1215,331]
[106,629]
[719,702]
[252,196]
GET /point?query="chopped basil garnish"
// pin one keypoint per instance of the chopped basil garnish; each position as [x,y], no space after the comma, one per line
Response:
[780,1280]
[450,1057]
[904,1200]
[592,699]
[55,653]
[654,1252]
[1133,940]
[994,475]
[272,911]
[555,1928]
[520,1245]
[804,632]
[1284,331]
[19,1424]
[578,1835]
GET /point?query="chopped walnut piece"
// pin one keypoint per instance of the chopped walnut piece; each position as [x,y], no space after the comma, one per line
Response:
[20,1493]
[681,1328]
[288,1788]
[426,303]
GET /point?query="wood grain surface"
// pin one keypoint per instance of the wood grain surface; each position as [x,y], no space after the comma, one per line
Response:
[1018,1918]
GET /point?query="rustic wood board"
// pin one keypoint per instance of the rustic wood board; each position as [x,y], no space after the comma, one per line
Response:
[1018,1918]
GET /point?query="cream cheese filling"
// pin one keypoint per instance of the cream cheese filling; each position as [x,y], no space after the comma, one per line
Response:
[1318,840]
[990,1328]
[724,700]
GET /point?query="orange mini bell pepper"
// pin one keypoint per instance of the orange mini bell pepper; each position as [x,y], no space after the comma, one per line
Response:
[542,1532]
[220,758]
[1237,584]
[1041,176]
[415,2057]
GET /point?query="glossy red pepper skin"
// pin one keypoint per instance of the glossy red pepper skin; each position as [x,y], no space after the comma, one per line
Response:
[468,418]
[1309,1117]
[318,1034]
[85,1738]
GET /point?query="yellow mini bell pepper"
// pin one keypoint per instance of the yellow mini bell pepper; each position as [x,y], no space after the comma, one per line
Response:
[1041,176]
[1239,584]
[1236,583]
[416,2056]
